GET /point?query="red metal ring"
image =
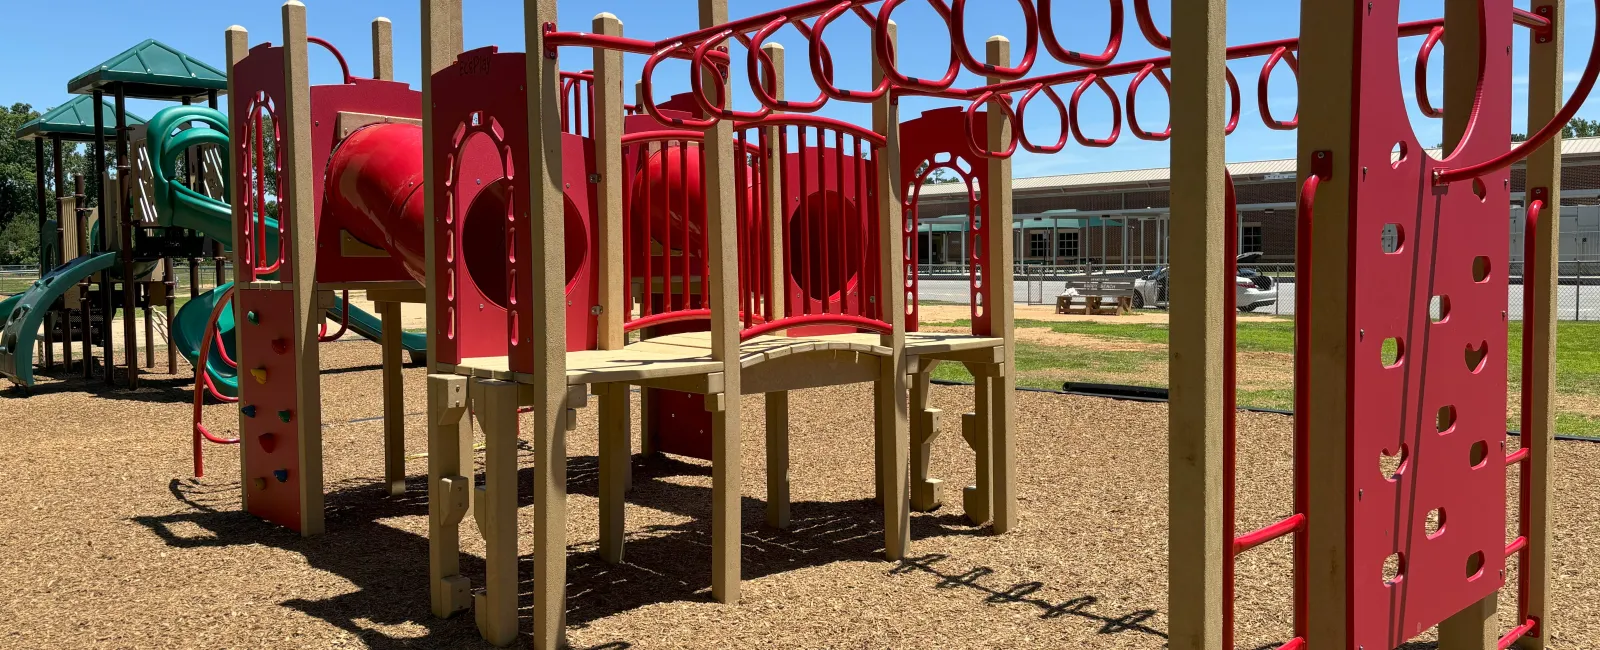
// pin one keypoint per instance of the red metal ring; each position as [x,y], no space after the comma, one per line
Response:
[647,92]
[1133,96]
[1116,112]
[819,50]
[1147,26]
[697,85]
[1113,43]
[1434,36]
[1282,53]
[979,148]
[1022,124]
[958,42]
[1233,93]
[758,60]
[885,53]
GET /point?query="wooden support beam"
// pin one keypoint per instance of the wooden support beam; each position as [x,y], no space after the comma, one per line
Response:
[892,428]
[1545,95]
[441,42]
[607,136]
[722,249]
[495,509]
[382,49]
[297,181]
[237,46]
[777,403]
[1329,38]
[394,400]
[1002,310]
[615,466]
[449,487]
[926,492]
[1199,223]
[545,255]
[778,290]
[977,498]
[778,459]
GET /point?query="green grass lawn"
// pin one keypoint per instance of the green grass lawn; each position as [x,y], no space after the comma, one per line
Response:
[1046,366]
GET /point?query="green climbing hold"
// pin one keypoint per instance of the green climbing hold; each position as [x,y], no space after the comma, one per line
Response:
[252,317]
[284,415]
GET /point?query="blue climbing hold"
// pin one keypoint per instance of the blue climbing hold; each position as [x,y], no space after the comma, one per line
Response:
[248,411]
[281,474]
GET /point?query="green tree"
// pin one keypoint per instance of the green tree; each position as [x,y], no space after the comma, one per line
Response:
[939,176]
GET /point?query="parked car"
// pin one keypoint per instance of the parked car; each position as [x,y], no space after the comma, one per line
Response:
[1253,289]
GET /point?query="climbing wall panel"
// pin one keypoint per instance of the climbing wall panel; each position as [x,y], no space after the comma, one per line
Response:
[267,401]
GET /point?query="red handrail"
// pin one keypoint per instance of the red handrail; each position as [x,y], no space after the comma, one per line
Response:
[343,67]
[344,322]
[1591,70]
[1424,54]
[202,380]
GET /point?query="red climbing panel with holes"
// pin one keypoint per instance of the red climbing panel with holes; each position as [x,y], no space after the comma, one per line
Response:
[927,147]
[1427,337]
[267,402]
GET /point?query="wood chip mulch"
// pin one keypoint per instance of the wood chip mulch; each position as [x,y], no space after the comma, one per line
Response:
[106,539]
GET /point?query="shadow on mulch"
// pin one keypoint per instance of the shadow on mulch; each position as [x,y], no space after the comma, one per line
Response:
[663,563]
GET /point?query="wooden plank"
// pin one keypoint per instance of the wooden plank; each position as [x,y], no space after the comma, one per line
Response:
[778,290]
[382,49]
[298,181]
[607,136]
[237,46]
[811,370]
[449,490]
[548,316]
[1476,627]
[411,292]
[1194,422]
[976,499]
[1545,77]
[1328,41]
[394,400]
[348,121]
[615,465]
[1002,311]
[495,608]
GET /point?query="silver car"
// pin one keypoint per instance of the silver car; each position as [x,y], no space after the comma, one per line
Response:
[1253,290]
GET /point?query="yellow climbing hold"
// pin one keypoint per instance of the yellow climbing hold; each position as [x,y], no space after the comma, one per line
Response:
[260,374]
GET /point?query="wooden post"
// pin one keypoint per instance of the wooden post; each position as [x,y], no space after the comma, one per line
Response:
[60,180]
[615,456]
[1477,626]
[546,256]
[607,111]
[777,403]
[236,44]
[85,308]
[382,49]
[889,395]
[1545,76]
[997,209]
[44,260]
[107,363]
[977,498]
[925,490]
[449,445]
[722,250]
[1196,539]
[1329,38]
[394,399]
[124,212]
[495,509]
[299,178]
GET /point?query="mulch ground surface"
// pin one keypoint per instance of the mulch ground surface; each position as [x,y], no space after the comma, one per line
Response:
[106,539]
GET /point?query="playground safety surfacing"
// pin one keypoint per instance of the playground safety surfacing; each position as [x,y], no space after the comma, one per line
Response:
[107,542]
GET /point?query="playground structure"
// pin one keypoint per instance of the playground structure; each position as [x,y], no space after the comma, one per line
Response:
[703,253]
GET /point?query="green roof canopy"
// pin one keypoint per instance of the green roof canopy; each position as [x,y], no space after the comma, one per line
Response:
[74,121]
[151,70]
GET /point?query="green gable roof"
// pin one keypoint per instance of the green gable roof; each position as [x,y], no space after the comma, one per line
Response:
[151,70]
[74,120]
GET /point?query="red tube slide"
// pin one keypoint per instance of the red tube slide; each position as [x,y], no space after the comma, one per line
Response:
[375,192]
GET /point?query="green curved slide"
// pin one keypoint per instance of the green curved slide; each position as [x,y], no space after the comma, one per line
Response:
[24,313]
[176,206]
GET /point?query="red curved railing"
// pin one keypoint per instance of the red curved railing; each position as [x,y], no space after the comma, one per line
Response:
[203,383]
[344,67]
[1591,70]
[1047,31]
[344,322]
[1424,55]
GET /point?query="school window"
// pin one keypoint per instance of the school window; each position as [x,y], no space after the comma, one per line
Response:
[1250,238]
[1067,244]
[1038,244]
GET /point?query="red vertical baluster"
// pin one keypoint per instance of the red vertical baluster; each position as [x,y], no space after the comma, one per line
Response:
[741,200]
[689,217]
[802,222]
[627,229]
[647,301]
[781,213]
[823,240]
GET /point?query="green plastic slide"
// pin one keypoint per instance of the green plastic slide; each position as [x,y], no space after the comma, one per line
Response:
[26,313]
[371,328]
[188,328]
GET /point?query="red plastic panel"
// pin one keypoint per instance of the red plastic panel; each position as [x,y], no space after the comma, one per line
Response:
[258,85]
[267,397]
[481,219]
[935,139]
[1446,242]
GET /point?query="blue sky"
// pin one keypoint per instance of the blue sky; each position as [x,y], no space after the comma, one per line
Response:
[54,55]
